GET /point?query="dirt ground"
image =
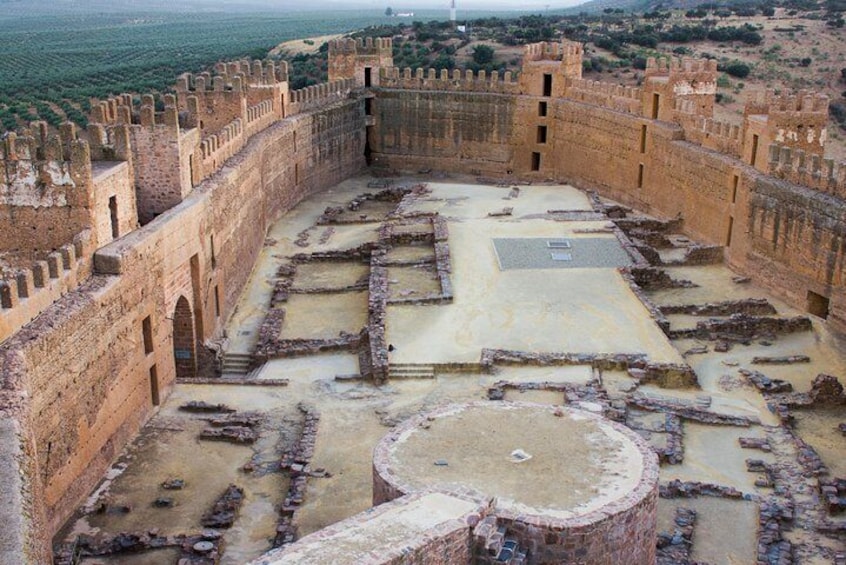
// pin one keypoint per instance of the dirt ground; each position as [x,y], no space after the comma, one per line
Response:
[534,311]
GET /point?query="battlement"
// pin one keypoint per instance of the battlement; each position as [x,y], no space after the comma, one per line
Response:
[114,110]
[367,46]
[320,95]
[664,67]
[608,95]
[44,170]
[548,51]
[721,136]
[431,79]
[37,144]
[120,110]
[28,290]
[811,170]
[218,147]
[248,74]
[805,102]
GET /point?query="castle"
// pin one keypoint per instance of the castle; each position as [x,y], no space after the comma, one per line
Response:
[125,247]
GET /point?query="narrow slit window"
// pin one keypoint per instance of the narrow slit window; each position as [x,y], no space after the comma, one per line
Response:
[113,215]
[147,332]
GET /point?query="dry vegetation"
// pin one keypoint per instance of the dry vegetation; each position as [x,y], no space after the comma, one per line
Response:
[758,47]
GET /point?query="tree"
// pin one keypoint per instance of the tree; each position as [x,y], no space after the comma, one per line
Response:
[483,54]
[389,11]
[737,69]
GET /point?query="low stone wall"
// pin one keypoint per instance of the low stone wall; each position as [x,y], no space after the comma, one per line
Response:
[389,534]
[620,531]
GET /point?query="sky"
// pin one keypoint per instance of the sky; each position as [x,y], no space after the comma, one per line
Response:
[297,5]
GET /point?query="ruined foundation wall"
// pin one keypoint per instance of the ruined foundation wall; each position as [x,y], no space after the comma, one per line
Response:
[86,366]
[461,132]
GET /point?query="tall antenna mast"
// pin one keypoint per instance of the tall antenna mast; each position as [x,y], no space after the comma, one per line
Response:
[452,11]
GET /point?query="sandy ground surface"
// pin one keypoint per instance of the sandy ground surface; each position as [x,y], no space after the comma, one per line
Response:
[595,465]
[579,310]
[587,310]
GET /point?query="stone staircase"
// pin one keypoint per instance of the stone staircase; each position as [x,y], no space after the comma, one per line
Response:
[235,364]
[411,371]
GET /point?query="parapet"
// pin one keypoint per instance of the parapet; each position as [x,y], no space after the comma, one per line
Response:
[25,293]
[805,102]
[664,67]
[120,110]
[608,95]
[721,136]
[320,95]
[548,51]
[37,144]
[44,170]
[234,75]
[811,170]
[367,46]
[431,79]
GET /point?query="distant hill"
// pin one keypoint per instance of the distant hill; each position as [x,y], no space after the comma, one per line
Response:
[593,6]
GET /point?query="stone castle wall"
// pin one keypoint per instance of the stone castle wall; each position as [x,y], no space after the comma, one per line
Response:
[84,360]
[464,132]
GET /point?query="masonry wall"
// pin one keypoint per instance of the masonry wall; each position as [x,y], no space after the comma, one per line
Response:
[466,132]
[161,166]
[113,179]
[43,204]
[796,242]
[85,366]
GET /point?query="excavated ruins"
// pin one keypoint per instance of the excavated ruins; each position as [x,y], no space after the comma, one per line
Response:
[728,385]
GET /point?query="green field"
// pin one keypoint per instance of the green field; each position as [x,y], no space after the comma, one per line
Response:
[65,60]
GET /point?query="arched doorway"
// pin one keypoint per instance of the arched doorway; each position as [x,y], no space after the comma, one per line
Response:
[183,340]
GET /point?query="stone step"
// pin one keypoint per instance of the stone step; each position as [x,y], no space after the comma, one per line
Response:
[411,371]
[238,356]
[236,364]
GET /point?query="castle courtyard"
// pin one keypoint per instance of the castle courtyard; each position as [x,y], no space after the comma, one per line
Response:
[581,332]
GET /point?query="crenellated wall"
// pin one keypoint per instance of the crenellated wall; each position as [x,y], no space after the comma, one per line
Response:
[85,362]
[46,191]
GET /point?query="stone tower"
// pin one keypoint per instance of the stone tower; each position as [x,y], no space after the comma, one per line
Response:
[360,60]
[797,122]
[688,84]
[546,66]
